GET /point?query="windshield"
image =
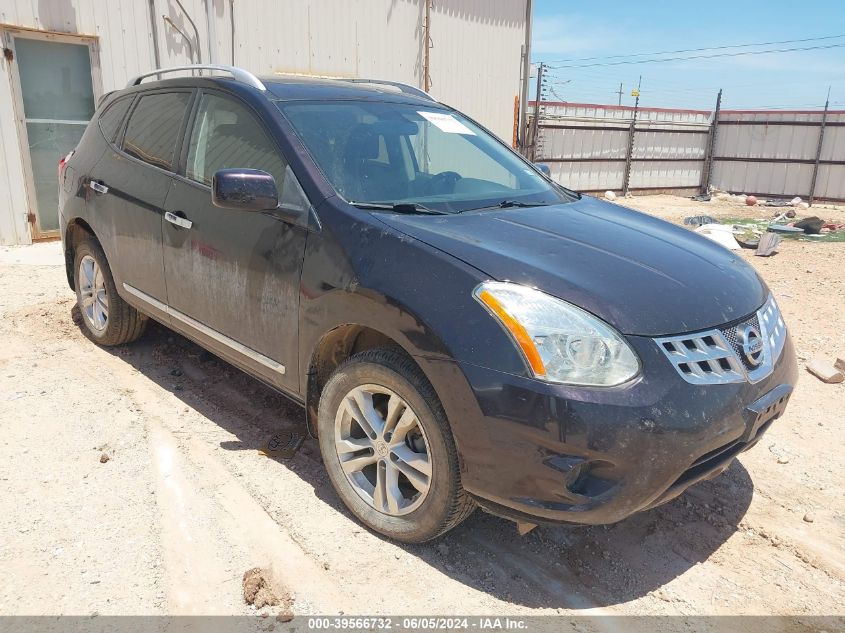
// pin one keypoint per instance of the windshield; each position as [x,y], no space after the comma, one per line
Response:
[389,153]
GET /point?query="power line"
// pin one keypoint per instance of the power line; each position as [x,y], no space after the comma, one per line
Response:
[695,50]
[715,55]
[613,77]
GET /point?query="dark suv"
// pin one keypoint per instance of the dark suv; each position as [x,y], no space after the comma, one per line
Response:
[461,330]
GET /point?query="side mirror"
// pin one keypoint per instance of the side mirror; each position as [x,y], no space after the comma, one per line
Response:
[544,168]
[244,189]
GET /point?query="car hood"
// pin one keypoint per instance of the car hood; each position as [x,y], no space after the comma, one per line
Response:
[642,275]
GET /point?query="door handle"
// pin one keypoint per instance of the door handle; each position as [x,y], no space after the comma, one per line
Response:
[97,186]
[185,223]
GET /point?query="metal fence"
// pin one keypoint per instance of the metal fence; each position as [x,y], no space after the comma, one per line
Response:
[768,153]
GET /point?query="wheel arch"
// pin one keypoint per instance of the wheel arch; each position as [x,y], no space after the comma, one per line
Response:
[333,348]
[76,231]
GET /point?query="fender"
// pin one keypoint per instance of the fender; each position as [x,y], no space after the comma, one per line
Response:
[338,294]
[411,277]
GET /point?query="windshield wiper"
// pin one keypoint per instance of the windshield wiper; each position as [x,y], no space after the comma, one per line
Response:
[508,204]
[398,207]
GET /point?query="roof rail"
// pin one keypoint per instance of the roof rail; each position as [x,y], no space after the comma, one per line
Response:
[239,74]
[406,88]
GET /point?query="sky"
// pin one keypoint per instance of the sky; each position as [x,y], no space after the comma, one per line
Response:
[564,32]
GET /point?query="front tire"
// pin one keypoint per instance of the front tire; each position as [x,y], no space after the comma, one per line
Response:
[388,449]
[107,319]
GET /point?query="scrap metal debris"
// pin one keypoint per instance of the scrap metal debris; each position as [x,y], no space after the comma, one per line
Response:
[811,226]
[768,245]
[721,234]
[699,220]
[777,203]
[284,445]
[784,228]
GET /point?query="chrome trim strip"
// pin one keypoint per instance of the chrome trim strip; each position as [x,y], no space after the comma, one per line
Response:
[143,296]
[214,334]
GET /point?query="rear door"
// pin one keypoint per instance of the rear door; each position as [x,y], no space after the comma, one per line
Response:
[233,276]
[128,189]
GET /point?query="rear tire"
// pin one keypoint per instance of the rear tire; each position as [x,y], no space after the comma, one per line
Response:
[107,319]
[409,487]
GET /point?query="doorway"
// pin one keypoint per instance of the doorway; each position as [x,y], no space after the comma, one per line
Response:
[55,79]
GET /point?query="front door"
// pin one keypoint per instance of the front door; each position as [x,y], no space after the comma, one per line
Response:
[55,99]
[233,276]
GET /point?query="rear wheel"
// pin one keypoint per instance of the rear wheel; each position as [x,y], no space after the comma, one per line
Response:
[388,450]
[107,319]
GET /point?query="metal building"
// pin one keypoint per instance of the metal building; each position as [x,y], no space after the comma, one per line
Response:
[60,56]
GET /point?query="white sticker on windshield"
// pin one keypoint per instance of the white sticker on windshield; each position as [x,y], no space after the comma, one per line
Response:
[446,122]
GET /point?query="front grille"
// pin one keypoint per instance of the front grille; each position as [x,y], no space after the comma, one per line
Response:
[704,358]
[732,335]
[772,326]
[717,356]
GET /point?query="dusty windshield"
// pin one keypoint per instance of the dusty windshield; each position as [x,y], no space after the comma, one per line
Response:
[388,153]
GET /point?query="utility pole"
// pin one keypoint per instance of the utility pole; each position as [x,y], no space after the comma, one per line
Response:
[156,54]
[619,92]
[211,31]
[536,121]
[707,172]
[526,74]
[629,156]
[819,148]
[427,47]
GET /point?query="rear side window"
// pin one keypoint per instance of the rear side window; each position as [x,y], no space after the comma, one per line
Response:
[153,128]
[111,119]
[227,136]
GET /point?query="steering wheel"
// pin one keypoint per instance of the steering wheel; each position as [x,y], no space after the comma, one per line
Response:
[444,182]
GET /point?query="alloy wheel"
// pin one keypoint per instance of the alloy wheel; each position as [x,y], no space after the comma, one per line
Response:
[383,450]
[94,301]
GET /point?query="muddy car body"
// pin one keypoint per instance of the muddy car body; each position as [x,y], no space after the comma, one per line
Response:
[468,336]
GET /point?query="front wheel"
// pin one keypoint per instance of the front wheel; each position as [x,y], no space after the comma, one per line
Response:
[388,449]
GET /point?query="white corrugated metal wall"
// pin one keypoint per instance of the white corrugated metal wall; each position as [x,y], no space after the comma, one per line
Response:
[474,59]
[764,152]
[597,136]
[781,150]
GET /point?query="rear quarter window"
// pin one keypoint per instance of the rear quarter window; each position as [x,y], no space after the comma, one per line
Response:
[110,120]
[153,129]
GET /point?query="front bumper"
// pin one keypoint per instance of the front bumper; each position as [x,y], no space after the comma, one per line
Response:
[545,453]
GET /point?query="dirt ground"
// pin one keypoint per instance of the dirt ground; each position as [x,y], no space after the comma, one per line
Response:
[186,502]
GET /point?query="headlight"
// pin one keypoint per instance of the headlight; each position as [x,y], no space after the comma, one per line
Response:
[561,342]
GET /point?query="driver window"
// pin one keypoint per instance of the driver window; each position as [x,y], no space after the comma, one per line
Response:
[227,136]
